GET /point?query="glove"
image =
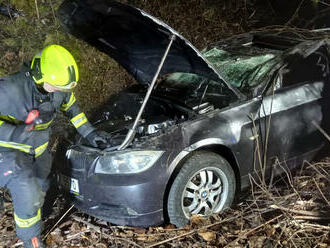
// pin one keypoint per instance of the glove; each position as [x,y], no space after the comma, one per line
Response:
[98,139]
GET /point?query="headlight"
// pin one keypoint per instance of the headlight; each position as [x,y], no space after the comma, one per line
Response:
[126,162]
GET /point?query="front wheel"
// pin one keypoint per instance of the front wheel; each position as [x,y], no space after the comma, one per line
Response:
[205,185]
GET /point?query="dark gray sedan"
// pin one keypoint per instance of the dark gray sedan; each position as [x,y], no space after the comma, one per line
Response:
[187,137]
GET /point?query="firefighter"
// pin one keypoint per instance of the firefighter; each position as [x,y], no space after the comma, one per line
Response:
[44,87]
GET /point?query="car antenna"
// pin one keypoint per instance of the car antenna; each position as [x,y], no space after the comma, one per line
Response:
[132,131]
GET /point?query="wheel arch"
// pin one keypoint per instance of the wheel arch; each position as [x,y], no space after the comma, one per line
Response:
[219,149]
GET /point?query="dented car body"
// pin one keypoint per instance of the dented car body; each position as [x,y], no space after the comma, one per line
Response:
[197,124]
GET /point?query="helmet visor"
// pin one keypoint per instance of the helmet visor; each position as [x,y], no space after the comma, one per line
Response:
[66,88]
[72,81]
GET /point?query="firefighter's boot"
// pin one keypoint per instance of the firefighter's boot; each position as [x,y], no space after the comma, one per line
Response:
[35,242]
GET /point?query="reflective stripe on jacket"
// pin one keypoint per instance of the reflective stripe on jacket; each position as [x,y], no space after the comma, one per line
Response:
[18,96]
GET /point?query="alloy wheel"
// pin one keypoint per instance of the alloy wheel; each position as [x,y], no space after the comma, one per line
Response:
[205,193]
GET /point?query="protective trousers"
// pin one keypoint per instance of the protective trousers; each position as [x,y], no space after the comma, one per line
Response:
[26,179]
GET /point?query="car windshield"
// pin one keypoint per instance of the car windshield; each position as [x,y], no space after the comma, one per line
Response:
[244,68]
[240,69]
[191,90]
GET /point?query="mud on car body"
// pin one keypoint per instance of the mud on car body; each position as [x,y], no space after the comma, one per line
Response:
[185,136]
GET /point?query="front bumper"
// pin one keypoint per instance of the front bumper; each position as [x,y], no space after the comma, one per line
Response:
[134,200]
[118,214]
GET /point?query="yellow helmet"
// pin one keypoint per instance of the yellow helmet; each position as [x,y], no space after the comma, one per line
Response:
[56,66]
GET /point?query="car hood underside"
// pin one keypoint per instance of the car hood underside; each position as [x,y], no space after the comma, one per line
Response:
[135,39]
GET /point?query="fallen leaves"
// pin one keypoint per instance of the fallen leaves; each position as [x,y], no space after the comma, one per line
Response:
[198,221]
[270,232]
[255,223]
[256,241]
[208,236]
[259,221]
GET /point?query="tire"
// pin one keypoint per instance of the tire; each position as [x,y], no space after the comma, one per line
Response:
[205,185]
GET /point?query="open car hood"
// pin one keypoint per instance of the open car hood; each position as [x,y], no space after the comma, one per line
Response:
[135,39]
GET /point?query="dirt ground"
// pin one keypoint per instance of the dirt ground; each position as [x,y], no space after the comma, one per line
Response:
[292,212]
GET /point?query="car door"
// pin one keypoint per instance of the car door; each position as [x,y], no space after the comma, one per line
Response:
[289,116]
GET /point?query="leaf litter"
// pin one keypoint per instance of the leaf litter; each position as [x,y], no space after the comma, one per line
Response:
[284,217]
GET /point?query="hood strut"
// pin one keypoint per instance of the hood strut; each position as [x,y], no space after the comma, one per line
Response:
[132,131]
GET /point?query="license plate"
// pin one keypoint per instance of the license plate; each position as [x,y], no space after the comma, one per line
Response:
[74,186]
[70,184]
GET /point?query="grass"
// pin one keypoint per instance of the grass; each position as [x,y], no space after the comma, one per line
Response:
[23,37]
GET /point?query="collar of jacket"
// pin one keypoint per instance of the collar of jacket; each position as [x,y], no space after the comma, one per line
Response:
[37,95]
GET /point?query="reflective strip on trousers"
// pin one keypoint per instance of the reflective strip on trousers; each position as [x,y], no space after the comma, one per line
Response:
[79,120]
[66,106]
[24,223]
[25,148]
[40,149]
[1,122]
[17,146]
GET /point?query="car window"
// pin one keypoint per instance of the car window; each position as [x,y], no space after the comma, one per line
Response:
[301,69]
[312,68]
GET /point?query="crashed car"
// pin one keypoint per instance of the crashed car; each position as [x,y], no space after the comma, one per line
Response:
[196,126]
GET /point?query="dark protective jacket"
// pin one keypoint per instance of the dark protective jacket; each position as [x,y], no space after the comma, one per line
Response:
[18,96]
